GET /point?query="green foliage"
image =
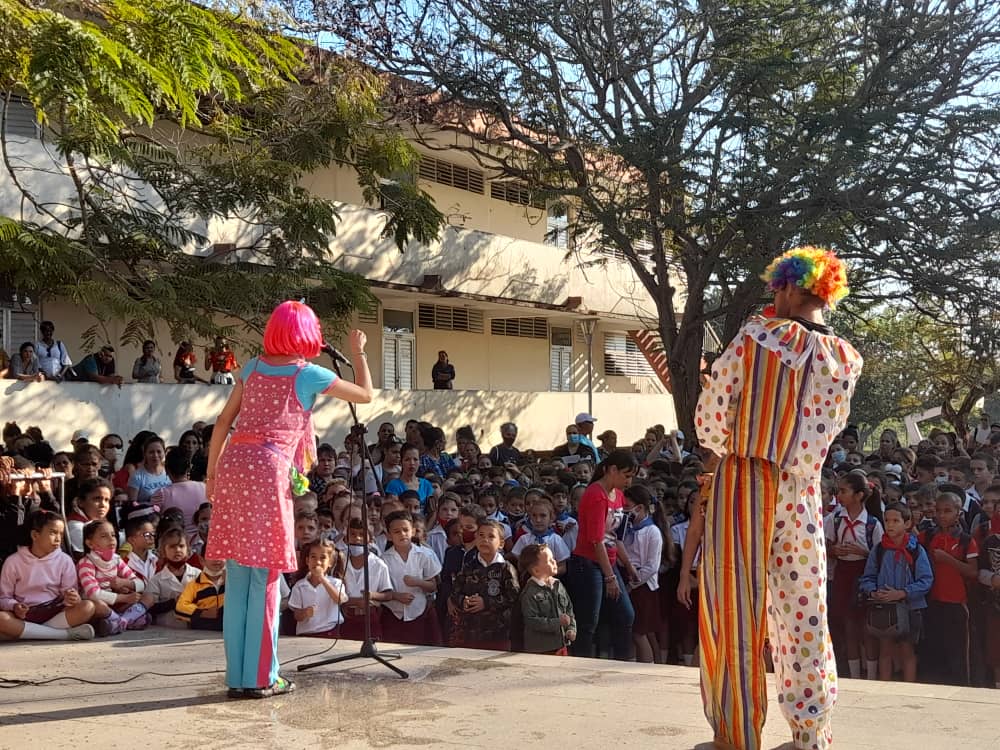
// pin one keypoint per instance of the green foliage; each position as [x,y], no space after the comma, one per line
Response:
[698,140]
[176,123]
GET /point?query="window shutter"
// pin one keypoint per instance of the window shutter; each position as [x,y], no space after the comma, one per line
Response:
[530,328]
[22,328]
[622,356]
[445,318]
[560,368]
[20,118]
[405,347]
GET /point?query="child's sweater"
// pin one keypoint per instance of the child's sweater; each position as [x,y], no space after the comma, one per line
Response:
[896,572]
[200,594]
[497,585]
[96,577]
[541,606]
[26,579]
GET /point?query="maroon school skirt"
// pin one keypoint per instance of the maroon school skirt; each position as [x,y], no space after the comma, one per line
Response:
[423,631]
[353,626]
[647,610]
[844,590]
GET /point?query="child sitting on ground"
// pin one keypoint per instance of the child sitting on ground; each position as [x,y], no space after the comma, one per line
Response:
[140,534]
[484,593]
[168,583]
[546,610]
[107,581]
[201,604]
[93,503]
[39,599]
[898,572]
[317,597]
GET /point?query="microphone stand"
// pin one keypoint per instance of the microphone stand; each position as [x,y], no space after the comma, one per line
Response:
[368,649]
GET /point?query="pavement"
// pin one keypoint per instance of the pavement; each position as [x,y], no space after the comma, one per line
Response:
[453,698]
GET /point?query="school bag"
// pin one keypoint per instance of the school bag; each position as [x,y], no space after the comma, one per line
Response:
[890,619]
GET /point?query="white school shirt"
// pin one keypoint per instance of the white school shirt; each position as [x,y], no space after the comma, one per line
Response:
[848,534]
[679,532]
[437,540]
[378,578]
[421,563]
[145,569]
[555,542]
[326,610]
[644,548]
[164,585]
[570,533]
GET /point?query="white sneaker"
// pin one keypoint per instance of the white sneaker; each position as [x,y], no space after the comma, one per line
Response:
[83,632]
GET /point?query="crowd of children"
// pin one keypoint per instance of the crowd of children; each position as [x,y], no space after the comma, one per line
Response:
[545,554]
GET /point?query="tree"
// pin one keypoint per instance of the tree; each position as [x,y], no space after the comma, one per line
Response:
[945,355]
[698,140]
[167,118]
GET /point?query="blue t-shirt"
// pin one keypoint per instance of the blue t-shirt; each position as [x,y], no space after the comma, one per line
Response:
[312,380]
[147,483]
[425,490]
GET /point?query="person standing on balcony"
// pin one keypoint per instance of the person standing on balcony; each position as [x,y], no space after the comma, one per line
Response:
[443,373]
[52,357]
[779,395]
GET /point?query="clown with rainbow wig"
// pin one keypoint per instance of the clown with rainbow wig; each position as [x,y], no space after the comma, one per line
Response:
[779,395]
[250,483]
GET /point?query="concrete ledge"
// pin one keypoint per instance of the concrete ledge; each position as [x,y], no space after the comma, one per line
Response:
[454,698]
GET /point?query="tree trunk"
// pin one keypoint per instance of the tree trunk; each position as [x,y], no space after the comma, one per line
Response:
[684,360]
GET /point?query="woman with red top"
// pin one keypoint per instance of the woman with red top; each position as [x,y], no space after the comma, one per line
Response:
[593,580]
[221,361]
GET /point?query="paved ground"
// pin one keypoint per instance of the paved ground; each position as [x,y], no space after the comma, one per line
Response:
[454,698]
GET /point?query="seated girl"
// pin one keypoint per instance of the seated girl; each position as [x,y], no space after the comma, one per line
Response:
[39,599]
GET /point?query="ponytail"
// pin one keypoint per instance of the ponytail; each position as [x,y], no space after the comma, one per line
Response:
[620,459]
[872,497]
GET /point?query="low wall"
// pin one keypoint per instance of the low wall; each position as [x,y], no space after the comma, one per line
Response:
[61,408]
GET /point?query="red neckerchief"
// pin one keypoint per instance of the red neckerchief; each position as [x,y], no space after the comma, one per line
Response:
[851,526]
[900,551]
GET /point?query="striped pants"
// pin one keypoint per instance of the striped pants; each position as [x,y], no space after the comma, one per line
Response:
[250,626]
[764,561]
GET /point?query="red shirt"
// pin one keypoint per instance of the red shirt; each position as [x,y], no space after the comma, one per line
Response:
[949,586]
[222,361]
[598,517]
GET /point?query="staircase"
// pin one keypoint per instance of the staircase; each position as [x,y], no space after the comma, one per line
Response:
[651,346]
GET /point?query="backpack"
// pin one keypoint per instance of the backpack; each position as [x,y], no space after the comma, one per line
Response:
[964,540]
[869,529]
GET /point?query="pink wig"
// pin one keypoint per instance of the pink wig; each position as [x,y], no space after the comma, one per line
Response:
[293,330]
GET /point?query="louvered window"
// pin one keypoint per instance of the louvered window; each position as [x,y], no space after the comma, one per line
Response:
[556,228]
[370,315]
[397,361]
[622,356]
[20,119]
[17,327]
[561,360]
[515,192]
[529,328]
[446,173]
[446,318]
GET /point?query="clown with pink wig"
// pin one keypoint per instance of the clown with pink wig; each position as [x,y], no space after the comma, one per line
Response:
[250,482]
[779,395]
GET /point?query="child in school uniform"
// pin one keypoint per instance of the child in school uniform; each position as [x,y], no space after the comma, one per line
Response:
[954,557]
[898,571]
[409,615]
[168,582]
[989,583]
[317,597]
[546,609]
[644,549]
[540,531]
[484,593]
[379,584]
[140,535]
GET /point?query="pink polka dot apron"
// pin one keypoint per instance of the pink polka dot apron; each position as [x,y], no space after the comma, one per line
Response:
[252,515]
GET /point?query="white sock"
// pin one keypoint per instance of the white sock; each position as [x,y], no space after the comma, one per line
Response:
[35,632]
[854,666]
[688,660]
[871,667]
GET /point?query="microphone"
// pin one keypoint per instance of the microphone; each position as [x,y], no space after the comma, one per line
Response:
[335,355]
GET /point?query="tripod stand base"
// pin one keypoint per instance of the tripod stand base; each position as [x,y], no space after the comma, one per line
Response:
[368,651]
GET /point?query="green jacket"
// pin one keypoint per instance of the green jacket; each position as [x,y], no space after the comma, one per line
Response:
[540,608]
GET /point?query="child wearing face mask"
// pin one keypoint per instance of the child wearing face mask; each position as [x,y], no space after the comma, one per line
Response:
[437,537]
[108,581]
[201,603]
[455,560]
[379,585]
[644,548]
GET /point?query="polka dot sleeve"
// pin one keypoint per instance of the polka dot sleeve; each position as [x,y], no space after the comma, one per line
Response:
[716,410]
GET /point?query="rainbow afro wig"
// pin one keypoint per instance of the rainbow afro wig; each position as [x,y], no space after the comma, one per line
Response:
[820,272]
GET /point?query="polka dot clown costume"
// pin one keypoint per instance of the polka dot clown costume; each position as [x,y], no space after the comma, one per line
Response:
[778,396]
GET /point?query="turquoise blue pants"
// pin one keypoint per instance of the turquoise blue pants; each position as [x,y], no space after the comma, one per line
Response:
[250,626]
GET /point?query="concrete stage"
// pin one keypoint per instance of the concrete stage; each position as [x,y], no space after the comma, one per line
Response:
[454,698]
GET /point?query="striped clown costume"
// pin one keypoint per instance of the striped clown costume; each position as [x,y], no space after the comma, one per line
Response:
[778,396]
